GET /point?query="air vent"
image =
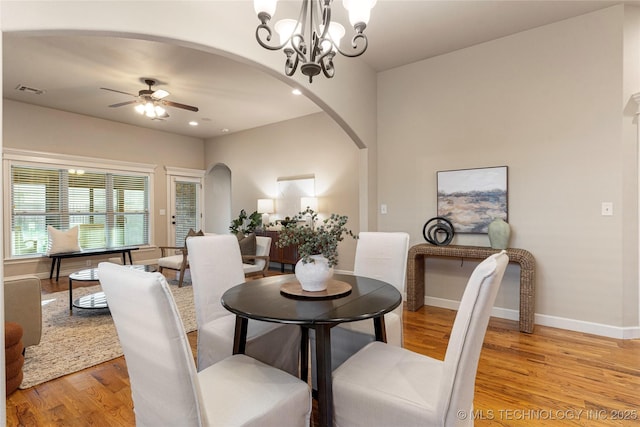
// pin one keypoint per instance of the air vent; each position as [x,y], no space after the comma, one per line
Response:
[28,89]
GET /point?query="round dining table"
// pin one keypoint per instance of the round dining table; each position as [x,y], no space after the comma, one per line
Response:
[271,299]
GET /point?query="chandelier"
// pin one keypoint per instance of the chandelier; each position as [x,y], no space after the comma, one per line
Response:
[314,53]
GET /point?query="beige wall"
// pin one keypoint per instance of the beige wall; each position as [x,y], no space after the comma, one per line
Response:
[548,103]
[28,127]
[314,144]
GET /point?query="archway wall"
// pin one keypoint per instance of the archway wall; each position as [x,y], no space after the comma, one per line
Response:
[217,199]
[222,27]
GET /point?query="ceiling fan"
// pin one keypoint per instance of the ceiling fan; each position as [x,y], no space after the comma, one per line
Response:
[151,102]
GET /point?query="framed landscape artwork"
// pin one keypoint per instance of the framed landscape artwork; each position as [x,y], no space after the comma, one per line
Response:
[472,198]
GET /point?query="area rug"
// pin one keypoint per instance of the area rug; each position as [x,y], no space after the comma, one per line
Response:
[88,338]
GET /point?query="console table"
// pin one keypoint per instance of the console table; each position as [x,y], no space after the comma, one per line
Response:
[416,273]
[56,259]
[286,255]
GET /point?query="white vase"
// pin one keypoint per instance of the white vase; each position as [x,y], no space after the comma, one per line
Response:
[314,276]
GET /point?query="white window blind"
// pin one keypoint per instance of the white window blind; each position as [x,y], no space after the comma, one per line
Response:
[186,210]
[110,209]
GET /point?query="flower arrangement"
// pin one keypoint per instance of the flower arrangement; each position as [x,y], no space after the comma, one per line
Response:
[245,223]
[315,240]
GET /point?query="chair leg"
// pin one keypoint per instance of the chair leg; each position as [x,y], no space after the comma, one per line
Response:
[183,267]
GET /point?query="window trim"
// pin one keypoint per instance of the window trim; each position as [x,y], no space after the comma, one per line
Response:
[37,158]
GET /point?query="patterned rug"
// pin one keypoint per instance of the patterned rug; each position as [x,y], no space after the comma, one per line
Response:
[88,338]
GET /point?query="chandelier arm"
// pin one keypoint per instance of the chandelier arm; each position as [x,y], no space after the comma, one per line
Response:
[354,45]
[327,66]
[264,44]
[300,47]
[325,12]
[264,25]
[291,65]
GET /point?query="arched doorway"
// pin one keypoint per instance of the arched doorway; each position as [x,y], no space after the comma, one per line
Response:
[217,199]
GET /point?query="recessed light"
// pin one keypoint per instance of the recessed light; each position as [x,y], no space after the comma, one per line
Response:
[193,123]
[296,92]
[224,130]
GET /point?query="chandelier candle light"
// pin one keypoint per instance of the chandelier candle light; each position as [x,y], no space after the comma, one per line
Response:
[317,51]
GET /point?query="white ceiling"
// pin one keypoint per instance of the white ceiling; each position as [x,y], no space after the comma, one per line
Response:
[235,96]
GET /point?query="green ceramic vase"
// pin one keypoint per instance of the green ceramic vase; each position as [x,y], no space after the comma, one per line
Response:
[499,233]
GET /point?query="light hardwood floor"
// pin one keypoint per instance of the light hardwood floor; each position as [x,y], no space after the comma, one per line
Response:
[549,378]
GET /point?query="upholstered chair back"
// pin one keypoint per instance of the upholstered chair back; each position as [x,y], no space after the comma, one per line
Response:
[383,256]
[164,385]
[467,335]
[216,265]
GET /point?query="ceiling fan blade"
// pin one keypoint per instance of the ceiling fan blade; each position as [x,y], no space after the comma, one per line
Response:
[123,103]
[178,105]
[118,91]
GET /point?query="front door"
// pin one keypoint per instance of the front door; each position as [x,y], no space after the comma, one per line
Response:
[186,211]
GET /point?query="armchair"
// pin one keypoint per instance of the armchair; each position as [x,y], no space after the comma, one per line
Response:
[178,261]
[261,258]
[23,305]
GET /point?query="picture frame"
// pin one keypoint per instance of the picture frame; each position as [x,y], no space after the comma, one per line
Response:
[472,198]
[290,191]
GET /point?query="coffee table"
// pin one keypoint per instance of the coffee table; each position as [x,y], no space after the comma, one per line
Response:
[96,300]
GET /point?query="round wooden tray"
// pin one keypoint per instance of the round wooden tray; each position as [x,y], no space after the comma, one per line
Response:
[335,289]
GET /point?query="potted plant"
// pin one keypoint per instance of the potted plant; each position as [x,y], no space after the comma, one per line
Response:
[245,224]
[317,246]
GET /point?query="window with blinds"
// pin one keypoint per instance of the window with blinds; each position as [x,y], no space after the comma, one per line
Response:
[110,209]
[186,200]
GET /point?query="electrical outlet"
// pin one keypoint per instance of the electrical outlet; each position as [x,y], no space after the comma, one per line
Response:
[88,263]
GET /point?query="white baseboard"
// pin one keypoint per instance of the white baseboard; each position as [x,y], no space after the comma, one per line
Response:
[629,332]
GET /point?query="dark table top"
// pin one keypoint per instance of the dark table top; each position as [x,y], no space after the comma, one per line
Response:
[262,300]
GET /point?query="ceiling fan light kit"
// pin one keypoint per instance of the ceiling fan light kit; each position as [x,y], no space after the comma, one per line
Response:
[315,54]
[151,103]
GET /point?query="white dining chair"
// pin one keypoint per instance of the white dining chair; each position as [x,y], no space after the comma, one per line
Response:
[165,387]
[382,256]
[216,266]
[384,385]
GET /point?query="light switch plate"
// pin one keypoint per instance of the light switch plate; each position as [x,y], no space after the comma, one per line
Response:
[607,208]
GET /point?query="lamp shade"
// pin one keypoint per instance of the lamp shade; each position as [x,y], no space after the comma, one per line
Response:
[359,10]
[265,206]
[286,29]
[336,32]
[309,202]
[266,6]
